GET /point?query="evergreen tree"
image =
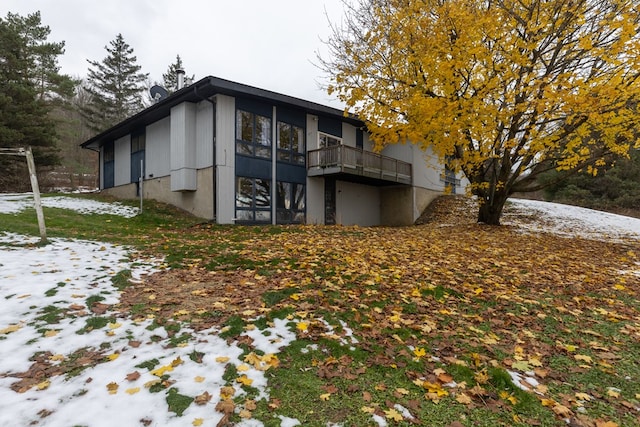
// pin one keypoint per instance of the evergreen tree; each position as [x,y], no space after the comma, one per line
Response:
[170,78]
[115,85]
[30,87]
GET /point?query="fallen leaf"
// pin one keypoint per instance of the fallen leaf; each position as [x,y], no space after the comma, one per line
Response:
[226,406]
[197,422]
[203,398]
[222,359]
[112,388]
[43,385]
[325,396]
[464,399]
[133,390]
[133,376]
[244,380]
[392,414]
[245,414]
[199,379]
[227,392]
[9,329]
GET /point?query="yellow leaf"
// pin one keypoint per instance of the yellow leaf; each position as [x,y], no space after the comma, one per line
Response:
[176,362]
[113,356]
[613,392]
[481,377]
[133,390]
[114,325]
[392,414]
[302,326]
[243,368]
[583,396]
[368,410]
[161,370]
[198,379]
[464,399]
[112,388]
[50,333]
[419,352]
[227,392]
[43,385]
[151,383]
[325,396]
[56,357]
[197,422]
[583,358]
[245,414]
[222,359]
[244,380]
[402,391]
[9,329]
[548,402]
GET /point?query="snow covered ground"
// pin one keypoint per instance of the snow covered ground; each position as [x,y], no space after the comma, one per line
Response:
[39,283]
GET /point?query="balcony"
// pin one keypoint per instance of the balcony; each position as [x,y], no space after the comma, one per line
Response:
[356,164]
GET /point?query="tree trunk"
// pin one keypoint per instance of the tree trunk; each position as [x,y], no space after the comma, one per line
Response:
[490,212]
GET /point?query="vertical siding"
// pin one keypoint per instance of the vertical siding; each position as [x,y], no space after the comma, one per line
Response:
[348,134]
[204,135]
[225,159]
[122,163]
[158,147]
[183,147]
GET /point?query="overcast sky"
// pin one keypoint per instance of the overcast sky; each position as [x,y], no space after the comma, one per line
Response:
[270,44]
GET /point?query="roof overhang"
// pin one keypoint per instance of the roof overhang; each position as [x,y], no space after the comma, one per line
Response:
[205,89]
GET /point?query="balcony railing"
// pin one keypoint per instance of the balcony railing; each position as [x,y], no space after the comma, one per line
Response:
[355,161]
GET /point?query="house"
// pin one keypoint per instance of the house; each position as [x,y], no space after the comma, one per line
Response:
[236,154]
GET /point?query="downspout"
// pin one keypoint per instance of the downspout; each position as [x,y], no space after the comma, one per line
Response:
[215,166]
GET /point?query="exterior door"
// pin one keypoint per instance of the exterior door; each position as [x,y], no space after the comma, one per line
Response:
[329,201]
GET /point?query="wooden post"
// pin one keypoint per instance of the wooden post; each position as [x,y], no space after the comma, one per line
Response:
[36,194]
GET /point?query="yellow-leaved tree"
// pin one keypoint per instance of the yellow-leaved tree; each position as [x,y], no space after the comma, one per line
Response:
[501,90]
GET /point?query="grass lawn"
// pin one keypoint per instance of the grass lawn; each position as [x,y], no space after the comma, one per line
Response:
[425,325]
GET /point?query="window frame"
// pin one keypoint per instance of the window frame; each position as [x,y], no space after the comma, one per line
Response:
[328,136]
[290,154]
[257,214]
[256,147]
[291,214]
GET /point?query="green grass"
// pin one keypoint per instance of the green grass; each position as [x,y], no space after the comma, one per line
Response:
[449,280]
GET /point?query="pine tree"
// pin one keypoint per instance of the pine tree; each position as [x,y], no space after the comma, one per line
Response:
[30,87]
[115,85]
[170,78]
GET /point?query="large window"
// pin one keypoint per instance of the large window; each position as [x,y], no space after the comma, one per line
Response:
[253,134]
[253,200]
[290,203]
[291,146]
[138,143]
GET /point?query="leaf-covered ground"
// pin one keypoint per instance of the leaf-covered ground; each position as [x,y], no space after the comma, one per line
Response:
[427,325]
[448,323]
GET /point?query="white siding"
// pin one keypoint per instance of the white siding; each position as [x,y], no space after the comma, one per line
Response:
[183,147]
[204,135]
[348,135]
[122,161]
[158,148]
[225,159]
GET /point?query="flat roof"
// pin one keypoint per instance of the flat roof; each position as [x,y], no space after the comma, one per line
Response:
[202,90]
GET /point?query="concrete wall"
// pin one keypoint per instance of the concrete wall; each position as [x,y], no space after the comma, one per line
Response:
[198,203]
[357,204]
